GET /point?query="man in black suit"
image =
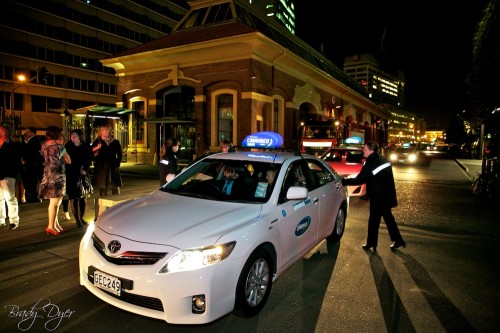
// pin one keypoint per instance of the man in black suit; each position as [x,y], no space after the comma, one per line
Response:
[232,186]
[32,172]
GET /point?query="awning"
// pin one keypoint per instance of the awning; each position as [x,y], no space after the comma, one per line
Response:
[169,120]
[109,111]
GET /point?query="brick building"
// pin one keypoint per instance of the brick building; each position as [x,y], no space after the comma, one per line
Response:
[225,72]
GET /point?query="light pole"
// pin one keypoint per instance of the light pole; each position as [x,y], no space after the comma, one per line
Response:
[22,80]
[337,123]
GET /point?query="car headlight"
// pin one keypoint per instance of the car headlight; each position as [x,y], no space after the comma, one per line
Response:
[393,157]
[412,157]
[190,259]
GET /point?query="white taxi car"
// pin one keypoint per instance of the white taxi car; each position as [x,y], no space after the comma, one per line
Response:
[190,253]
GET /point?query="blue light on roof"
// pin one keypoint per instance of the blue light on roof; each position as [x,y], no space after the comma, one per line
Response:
[354,139]
[263,140]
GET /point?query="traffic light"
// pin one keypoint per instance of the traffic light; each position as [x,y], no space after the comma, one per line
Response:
[41,77]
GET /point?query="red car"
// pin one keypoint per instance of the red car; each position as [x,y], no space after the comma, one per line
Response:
[347,161]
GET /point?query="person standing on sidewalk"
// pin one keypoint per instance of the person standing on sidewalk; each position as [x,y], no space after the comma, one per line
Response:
[168,163]
[65,200]
[32,170]
[226,146]
[81,157]
[377,174]
[107,153]
[10,164]
[53,186]
[20,195]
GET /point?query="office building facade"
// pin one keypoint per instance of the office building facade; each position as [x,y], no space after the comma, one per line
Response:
[67,39]
[388,92]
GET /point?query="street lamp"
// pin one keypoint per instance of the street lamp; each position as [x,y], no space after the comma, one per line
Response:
[337,123]
[21,78]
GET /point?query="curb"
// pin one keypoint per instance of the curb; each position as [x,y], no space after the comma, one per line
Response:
[462,166]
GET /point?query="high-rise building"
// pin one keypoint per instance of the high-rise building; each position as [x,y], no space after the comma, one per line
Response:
[381,86]
[283,11]
[388,91]
[50,52]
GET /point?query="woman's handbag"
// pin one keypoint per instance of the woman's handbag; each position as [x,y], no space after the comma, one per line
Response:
[84,186]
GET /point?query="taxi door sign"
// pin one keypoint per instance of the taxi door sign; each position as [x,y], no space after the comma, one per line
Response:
[303,226]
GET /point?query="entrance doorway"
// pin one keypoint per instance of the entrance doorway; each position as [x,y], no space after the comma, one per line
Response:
[185,133]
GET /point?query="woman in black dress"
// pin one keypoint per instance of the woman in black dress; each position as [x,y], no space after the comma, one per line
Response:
[81,157]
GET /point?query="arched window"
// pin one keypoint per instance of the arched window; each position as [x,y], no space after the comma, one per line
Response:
[137,128]
[224,116]
[178,102]
[225,113]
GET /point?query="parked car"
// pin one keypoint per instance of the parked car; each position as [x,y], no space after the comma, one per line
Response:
[347,161]
[408,156]
[189,253]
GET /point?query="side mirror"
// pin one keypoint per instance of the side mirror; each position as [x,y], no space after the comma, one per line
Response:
[296,193]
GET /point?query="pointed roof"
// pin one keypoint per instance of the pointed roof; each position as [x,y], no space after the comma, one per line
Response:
[216,19]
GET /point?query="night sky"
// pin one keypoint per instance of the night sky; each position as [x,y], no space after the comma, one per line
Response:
[430,41]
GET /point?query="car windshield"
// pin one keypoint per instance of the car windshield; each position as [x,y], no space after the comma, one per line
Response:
[226,180]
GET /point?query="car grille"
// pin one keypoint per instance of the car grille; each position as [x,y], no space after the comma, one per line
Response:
[143,301]
[129,257]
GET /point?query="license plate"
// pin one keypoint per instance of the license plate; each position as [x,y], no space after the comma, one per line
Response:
[107,282]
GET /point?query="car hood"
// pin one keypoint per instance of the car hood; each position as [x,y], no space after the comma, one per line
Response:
[174,220]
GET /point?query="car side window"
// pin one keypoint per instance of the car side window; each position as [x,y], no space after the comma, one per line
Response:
[319,173]
[354,157]
[295,176]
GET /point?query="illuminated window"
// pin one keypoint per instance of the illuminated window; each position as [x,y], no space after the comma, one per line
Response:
[138,125]
[225,115]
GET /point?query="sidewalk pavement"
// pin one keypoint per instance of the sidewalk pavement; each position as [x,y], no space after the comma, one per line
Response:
[140,170]
[142,179]
[472,167]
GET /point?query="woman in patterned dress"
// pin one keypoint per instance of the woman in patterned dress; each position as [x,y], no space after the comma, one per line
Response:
[53,185]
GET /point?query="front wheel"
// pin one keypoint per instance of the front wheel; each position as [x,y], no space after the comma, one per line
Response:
[254,284]
[338,229]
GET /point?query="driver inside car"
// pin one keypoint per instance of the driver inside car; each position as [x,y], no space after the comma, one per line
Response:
[235,184]
[227,184]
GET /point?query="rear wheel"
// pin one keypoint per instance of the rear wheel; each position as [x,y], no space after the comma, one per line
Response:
[254,284]
[338,229]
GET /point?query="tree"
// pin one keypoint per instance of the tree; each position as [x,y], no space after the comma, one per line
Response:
[483,80]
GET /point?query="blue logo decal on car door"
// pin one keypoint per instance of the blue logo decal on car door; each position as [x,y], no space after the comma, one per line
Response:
[303,226]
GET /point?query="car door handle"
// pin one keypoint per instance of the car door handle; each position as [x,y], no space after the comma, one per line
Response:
[315,200]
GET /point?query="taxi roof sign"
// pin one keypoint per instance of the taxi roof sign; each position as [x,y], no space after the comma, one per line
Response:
[264,139]
[354,139]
